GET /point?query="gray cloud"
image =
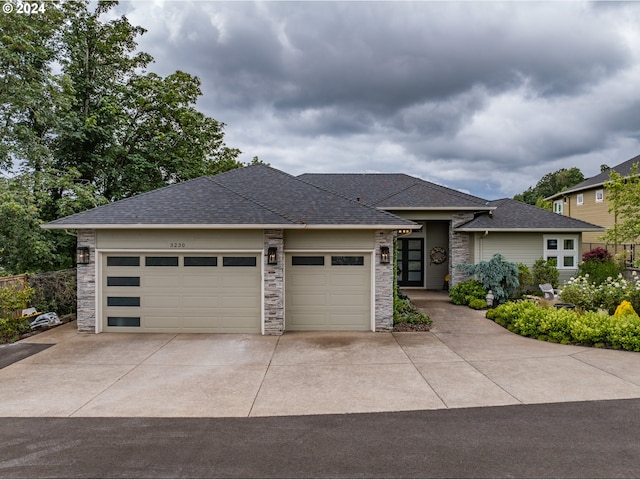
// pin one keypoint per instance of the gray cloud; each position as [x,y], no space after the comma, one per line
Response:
[481,96]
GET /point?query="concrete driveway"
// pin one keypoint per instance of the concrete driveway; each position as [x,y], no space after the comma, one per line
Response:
[465,361]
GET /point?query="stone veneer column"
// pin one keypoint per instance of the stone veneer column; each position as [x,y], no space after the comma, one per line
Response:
[86,313]
[460,251]
[383,282]
[274,284]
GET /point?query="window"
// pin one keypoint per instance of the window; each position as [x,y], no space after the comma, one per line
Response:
[123,301]
[123,321]
[580,199]
[308,260]
[347,260]
[239,261]
[564,250]
[123,261]
[599,196]
[557,207]
[161,261]
[200,261]
[123,281]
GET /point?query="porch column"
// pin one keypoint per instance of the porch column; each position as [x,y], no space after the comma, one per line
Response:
[460,250]
[273,283]
[383,282]
[86,290]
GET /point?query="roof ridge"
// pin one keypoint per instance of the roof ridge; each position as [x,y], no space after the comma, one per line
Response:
[252,200]
[343,196]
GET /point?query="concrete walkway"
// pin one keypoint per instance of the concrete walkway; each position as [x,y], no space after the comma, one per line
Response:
[465,361]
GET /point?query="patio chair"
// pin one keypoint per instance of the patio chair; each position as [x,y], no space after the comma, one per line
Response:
[548,291]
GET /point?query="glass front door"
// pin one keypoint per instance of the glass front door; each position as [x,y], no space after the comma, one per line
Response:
[410,262]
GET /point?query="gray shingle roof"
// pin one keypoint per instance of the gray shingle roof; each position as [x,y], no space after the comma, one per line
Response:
[512,215]
[394,191]
[257,195]
[623,169]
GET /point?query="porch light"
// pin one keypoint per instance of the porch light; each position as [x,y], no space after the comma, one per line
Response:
[384,254]
[272,256]
[82,255]
[404,231]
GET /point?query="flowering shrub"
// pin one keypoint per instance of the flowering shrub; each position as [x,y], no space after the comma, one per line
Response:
[589,295]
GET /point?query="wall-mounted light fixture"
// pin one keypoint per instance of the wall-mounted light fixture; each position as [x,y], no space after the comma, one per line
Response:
[384,254]
[272,256]
[404,231]
[82,255]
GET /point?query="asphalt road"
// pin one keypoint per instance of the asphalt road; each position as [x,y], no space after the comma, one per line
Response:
[569,440]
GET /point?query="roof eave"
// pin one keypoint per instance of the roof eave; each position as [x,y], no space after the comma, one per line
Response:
[533,230]
[574,190]
[149,226]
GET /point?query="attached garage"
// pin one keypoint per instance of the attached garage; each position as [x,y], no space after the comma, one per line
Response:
[181,292]
[328,291]
[252,250]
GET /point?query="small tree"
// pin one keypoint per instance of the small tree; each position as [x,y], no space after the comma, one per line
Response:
[498,275]
[546,271]
[623,195]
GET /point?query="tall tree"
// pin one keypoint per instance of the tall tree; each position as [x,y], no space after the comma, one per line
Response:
[85,123]
[131,131]
[550,184]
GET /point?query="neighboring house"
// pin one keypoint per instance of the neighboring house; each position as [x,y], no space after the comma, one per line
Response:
[588,201]
[257,250]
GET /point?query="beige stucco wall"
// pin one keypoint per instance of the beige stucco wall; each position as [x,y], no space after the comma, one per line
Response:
[328,239]
[180,239]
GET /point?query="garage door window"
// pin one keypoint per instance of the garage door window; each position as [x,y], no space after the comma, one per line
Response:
[347,260]
[238,261]
[123,301]
[307,260]
[123,281]
[200,261]
[161,261]
[123,321]
[123,261]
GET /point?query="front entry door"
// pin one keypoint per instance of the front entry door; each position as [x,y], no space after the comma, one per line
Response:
[410,262]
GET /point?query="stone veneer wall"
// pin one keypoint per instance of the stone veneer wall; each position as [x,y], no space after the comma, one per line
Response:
[384,282]
[274,285]
[86,314]
[460,251]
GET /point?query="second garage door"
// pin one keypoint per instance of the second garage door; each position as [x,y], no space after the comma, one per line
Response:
[328,291]
[198,293]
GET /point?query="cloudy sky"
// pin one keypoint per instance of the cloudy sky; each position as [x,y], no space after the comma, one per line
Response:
[484,97]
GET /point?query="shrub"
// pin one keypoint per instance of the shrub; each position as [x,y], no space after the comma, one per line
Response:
[525,278]
[625,308]
[406,312]
[589,295]
[464,292]
[597,254]
[13,299]
[11,328]
[54,291]
[498,275]
[599,271]
[569,326]
[546,271]
[478,304]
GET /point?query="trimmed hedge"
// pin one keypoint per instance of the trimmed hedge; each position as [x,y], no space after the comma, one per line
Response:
[595,329]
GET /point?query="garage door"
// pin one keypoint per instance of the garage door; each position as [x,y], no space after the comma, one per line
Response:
[193,293]
[328,291]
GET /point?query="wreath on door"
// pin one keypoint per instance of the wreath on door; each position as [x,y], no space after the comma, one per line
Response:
[438,255]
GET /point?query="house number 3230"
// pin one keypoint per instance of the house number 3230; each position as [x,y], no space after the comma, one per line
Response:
[177,244]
